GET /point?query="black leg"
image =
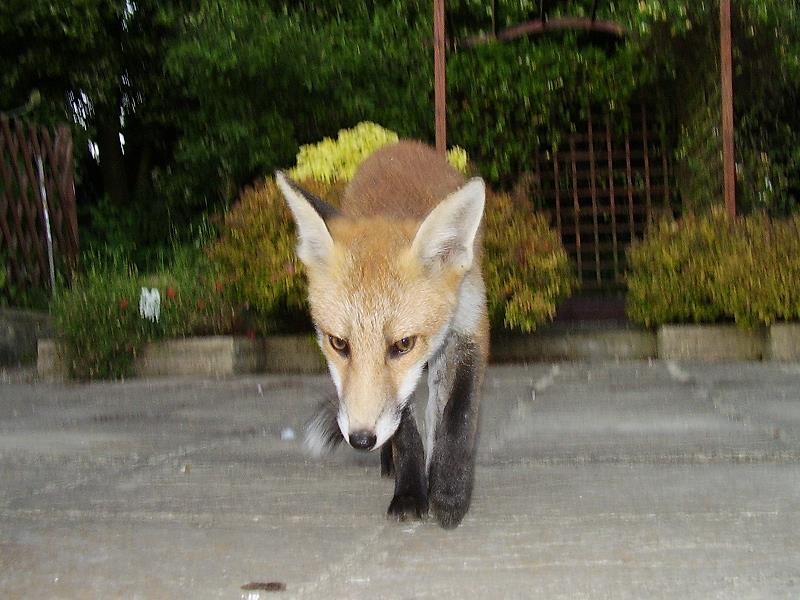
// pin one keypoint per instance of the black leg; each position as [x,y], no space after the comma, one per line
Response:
[410,490]
[452,465]
[387,461]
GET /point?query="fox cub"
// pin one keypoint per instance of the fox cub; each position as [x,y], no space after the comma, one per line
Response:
[395,285]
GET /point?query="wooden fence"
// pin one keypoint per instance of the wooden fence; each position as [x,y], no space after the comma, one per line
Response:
[601,187]
[36,189]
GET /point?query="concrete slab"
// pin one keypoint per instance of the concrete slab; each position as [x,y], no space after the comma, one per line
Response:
[626,480]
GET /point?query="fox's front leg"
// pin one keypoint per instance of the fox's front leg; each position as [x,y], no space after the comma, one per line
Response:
[454,379]
[387,461]
[408,460]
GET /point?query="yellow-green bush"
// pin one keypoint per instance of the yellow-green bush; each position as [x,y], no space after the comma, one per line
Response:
[712,268]
[759,283]
[336,160]
[527,270]
[256,256]
[331,161]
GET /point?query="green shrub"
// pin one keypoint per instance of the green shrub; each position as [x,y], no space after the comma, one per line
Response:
[527,271]
[711,268]
[332,161]
[256,258]
[669,276]
[336,160]
[98,327]
[193,297]
[759,282]
[97,324]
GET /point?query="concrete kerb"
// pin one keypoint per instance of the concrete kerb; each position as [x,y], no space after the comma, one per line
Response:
[213,356]
[220,356]
[20,330]
[783,343]
[710,343]
[575,341]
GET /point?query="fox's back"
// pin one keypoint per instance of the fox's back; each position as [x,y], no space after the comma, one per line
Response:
[403,180]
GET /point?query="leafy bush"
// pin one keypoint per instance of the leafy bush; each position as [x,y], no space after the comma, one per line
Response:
[336,160]
[256,258]
[527,270]
[759,281]
[331,161]
[669,272]
[711,268]
[97,324]
[98,327]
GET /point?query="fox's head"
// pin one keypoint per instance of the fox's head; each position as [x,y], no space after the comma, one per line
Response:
[383,293]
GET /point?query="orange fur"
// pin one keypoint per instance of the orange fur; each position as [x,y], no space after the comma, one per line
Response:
[372,290]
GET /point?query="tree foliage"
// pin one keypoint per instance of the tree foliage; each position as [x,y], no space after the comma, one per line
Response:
[508,98]
[97,64]
[526,269]
[260,79]
[209,95]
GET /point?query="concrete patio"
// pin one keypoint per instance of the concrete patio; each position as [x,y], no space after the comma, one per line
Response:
[596,480]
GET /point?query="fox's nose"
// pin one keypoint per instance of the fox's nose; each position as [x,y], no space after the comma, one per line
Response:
[363,440]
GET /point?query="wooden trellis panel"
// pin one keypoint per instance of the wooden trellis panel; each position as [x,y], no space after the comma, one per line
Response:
[23,237]
[601,188]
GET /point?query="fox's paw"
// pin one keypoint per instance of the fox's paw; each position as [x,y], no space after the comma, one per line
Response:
[448,508]
[405,506]
[450,494]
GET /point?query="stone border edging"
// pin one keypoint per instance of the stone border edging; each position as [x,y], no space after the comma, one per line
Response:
[778,342]
[20,330]
[220,356]
[574,342]
[710,343]
[783,343]
[213,356]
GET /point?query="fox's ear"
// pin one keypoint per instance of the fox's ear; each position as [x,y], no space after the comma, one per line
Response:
[310,214]
[446,236]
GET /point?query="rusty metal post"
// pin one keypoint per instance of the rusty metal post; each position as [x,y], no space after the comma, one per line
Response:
[728,157]
[439,76]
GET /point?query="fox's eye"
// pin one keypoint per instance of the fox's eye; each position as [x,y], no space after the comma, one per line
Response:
[339,344]
[403,346]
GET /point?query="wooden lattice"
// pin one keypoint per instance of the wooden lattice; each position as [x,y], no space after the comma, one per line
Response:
[601,187]
[23,236]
